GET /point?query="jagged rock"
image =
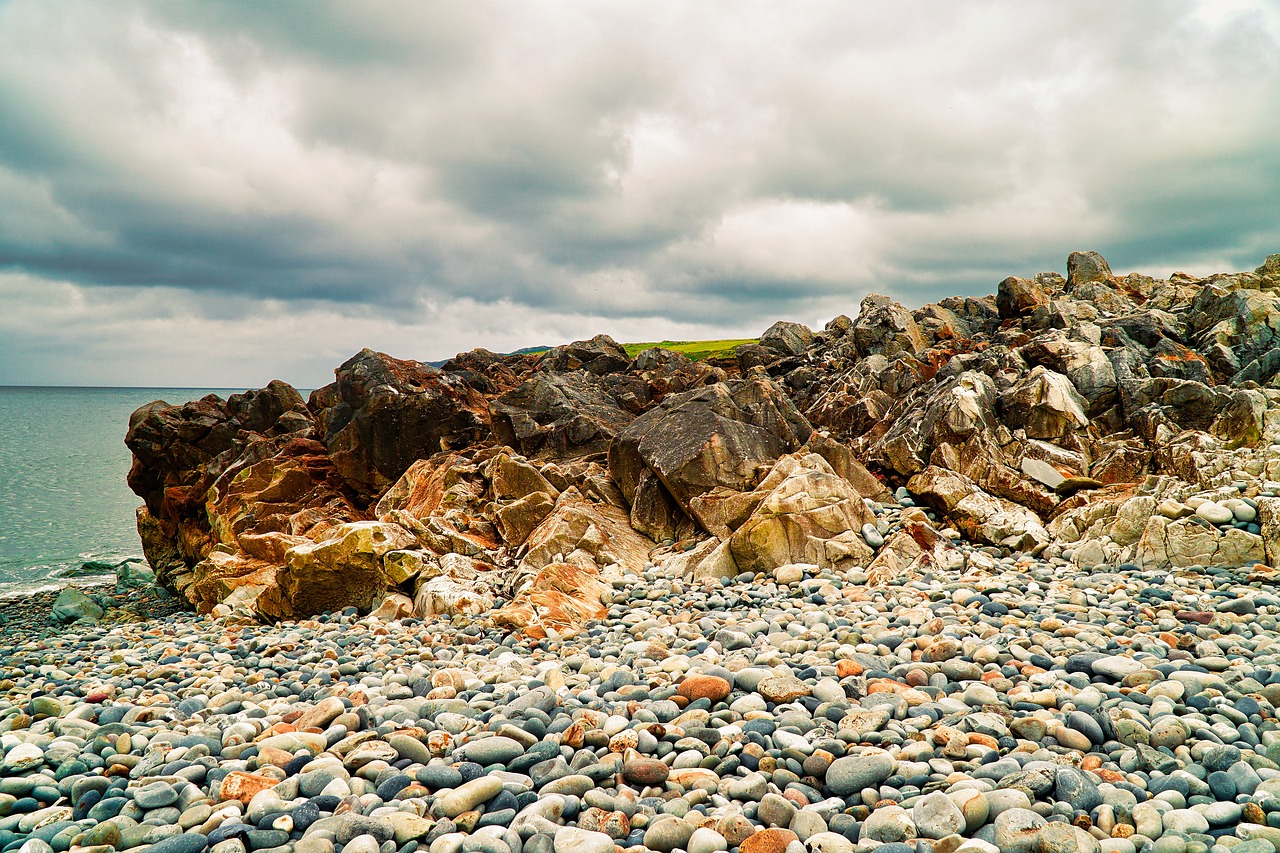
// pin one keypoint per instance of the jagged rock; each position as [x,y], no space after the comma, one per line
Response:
[787,338]
[1238,332]
[886,328]
[517,519]
[976,513]
[957,410]
[584,531]
[344,570]
[802,504]
[720,435]
[382,414]
[750,356]
[1045,404]
[1241,420]
[601,355]
[1019,297]
[916,548]
[559,414]
[558,598]
[1084,267]
[455,585]
[1085,365]
[1186,542]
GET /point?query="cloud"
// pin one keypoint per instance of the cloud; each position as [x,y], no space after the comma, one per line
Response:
[271,181]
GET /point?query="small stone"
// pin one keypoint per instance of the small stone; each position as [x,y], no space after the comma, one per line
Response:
[570,839]
[1016,830]
[704,687]
[781,689]
[666,835]
[768,841]
[853,773]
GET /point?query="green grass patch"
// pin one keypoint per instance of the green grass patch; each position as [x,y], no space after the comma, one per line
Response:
[696,350]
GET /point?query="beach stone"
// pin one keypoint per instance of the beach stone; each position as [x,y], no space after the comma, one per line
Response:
[468,795]
[827,842]
[1214,513]
[782,688]
[937,816]
[72,605]
[853,773]
[493,750]
[154,796]
[1076,787]
[889,824]
[570,839]
[704,840]
[704,687]
[1186,821]
[645,771]
[189,842]
[666,835]
[1016,830]
[23,757]
[768,841]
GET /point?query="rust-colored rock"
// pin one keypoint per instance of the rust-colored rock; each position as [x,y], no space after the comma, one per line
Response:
[699,686]
[768,841]
[241,786]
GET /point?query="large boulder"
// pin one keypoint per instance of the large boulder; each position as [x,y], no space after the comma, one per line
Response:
[803,505]
[1086,267]
[381,414]
[887,328]
[558,414]
[181,452]
[720,435]
[343,570]
[978,514]
[1045,404]
[787,338]
[601,355]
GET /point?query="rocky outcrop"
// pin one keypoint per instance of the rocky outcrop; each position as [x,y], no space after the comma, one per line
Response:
[720,436]
[1092,416]
[381,414]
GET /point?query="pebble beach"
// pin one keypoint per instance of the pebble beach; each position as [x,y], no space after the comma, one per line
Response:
[1031,707]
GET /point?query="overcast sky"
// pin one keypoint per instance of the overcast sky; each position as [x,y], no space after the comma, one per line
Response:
[216,194]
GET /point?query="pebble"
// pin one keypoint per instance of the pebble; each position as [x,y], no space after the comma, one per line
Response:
[1029,706]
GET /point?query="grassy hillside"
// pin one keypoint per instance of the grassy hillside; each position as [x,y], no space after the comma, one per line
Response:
[696,350]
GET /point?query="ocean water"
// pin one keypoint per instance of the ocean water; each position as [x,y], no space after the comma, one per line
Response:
[63,495]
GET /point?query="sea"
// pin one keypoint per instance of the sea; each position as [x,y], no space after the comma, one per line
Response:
[64,500]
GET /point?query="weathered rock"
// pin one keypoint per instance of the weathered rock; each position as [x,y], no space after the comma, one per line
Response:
[787,338]
[886,328]
[721,435]
[802,505]
[381,414]
[556,414]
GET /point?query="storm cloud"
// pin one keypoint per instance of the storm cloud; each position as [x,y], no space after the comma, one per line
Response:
[218,194]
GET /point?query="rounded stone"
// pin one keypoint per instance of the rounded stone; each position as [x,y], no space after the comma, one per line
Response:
[852,773]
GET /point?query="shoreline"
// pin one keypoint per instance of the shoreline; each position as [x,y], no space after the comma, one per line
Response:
[1029,705]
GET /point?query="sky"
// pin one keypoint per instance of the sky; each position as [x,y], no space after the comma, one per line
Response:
[218,194]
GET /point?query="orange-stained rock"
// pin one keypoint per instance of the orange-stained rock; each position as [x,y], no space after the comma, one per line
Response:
[768,841]
[238,785]
[846,668]
[704,687]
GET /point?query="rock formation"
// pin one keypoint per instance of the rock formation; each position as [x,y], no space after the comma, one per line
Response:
[1098,417]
